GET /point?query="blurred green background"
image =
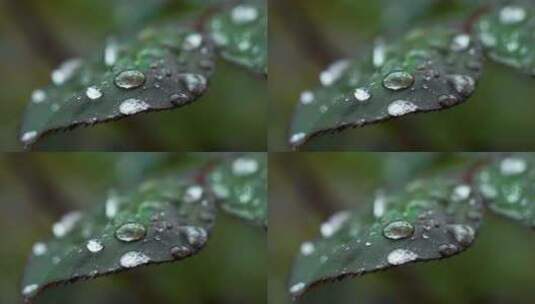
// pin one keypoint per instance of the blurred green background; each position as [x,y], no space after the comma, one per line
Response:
[38,187]
[306,35]
[36,35]
[306,188]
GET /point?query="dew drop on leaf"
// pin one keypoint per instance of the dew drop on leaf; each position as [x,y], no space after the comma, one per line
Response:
[39,249]
[307,97]
[244,14]
[401,107]
[93,93]
[398,230]
[401,256]
[30,290]
[512,14]
[297,289]
[133,258]
[307,248]
[94,246]
[447,250]
[132,106]
[38,96]
[463,234]
[130,79]
[193,194]
[362,94]
[513,166]
[244,166]
[130,232]
[397,81]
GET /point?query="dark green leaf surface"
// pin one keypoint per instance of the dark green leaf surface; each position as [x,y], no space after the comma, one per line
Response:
[428,220]
[166,219]
[426,70]
[241,34]
[241,186]
[508,187]
[507,35]
[166,67]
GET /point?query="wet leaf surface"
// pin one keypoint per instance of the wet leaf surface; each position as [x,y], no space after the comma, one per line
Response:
[241,186]
[163,220]
[426,70]
[507,185]
[164,67]
[507,35]
[240,33]
[427,220]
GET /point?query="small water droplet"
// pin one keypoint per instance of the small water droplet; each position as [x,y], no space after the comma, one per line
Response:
[463,84]
[379,53]
[180,251]
[196,236]
[397,81]
[463,234]
[447,100]
[94,246]
[401,256]
[307,97]
[460,42]
[244,166]
[130,232]
[112,207]
[379,205]
[512,14]
[334,72]
[130,79]
[193,194]
[334,223]
[398,230]
[192,42]
[133,259]
[93,93]
[446,250]
[195,83]
[133,106]
[29,137]
[244,13]
[39,249]
[401,107]
[66,71]
[298,139]
[513,166]
[461,193]
[30,290]
[179,98]
[66,224]
[307,248]
[297,289]
[38,96]
[362,94]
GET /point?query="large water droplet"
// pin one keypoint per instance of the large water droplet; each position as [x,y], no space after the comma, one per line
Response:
[93,93]
[133,106]
[130,232]
[244,14]
[39,248]
[307,248]
[512,14]
[401,256]
[397,81]
[398,230]
[94,246]
[513,166]
[401,107]
[463,234]
[244,166]
[133,259]
[130,79]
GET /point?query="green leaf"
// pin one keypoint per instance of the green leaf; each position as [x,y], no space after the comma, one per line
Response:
[241,34]
[508,187]
[241,186]
[163,67]
[507,35]
[426,70]
[427,220]
[161,221]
